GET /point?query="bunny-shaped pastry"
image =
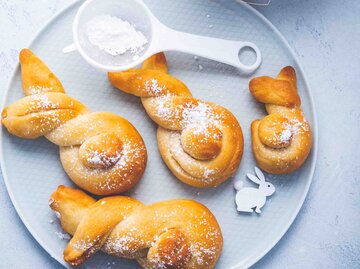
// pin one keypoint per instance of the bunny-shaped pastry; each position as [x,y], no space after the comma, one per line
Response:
[248,198]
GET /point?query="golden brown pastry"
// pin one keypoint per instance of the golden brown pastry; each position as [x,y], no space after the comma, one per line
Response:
[100,151]
[200,142]
[282,140]
[170,234]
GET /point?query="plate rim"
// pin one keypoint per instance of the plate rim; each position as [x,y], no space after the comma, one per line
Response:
[256,256]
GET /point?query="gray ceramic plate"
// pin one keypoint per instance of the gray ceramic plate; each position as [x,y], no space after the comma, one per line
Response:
[32,169]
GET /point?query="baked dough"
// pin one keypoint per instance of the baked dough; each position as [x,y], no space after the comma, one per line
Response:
[171,234]
[100,151]
[200,142]
[282,140]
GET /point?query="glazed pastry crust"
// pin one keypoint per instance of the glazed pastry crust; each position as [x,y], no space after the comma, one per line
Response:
[201,142]
[282,140]
[100,151]
[170,234]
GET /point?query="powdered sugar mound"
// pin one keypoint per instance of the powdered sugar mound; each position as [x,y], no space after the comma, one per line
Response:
[286,134]
[114,35]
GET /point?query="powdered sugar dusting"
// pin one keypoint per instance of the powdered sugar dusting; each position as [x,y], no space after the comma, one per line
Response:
[37,89]
[114,35]
[86,244]
[292,127]
[285,135]
[208,172]
[203,244]
[198,238]
[126,167]
[100,158]
[200,118]
[199,115]
[45,102]
[41,102]
[152,87]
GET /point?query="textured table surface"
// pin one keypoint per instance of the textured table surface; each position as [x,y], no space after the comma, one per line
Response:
[325,36]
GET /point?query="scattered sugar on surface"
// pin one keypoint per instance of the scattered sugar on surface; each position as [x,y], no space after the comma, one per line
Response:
[63,236]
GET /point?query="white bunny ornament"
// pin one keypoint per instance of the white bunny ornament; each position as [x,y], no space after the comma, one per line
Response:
[249,198]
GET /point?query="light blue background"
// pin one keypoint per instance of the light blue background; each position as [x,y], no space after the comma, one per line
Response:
[326,37]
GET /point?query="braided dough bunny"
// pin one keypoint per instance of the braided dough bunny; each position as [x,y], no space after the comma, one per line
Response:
[282,140]
[200,142]
[170,234]
[100,151]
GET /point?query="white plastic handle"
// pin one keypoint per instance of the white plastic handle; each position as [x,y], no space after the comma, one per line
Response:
[221,50]
[163,38]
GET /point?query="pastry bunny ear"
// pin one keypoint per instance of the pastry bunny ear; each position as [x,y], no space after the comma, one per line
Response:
[253,178]
[259,174]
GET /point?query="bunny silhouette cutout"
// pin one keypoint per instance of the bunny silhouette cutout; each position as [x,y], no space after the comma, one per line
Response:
[249,198]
